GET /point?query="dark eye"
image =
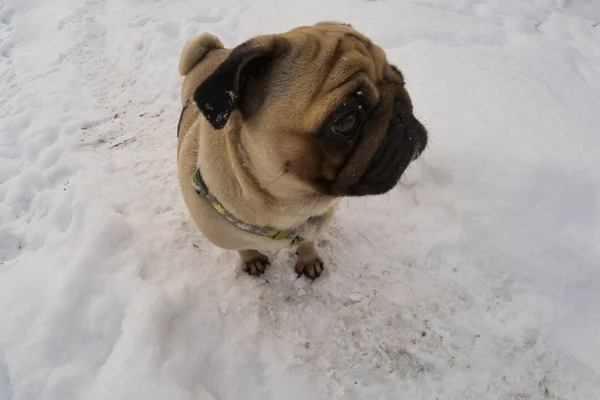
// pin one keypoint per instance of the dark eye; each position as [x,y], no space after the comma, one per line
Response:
[346,124]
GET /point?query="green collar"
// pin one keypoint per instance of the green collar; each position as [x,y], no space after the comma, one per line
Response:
[266,231]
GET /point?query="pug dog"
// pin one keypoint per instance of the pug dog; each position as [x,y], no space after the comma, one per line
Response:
[274,132]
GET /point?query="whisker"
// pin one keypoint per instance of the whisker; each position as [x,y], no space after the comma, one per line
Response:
[314,196]
[286,169]
[276,179]
[316,202]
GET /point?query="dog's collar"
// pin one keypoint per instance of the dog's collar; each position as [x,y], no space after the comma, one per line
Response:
[266,231]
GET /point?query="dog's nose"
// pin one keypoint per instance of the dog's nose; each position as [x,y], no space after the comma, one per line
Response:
[404,123]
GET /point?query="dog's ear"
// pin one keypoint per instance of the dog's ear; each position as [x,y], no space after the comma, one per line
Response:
[222,91]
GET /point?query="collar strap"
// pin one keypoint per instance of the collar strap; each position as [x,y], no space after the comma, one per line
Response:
[266,231]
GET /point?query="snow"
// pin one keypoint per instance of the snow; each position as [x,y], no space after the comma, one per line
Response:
[477,278]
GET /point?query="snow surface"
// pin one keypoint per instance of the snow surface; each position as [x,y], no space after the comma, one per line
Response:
[477,278]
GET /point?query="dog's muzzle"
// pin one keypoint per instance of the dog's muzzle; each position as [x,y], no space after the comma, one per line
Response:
[404,142]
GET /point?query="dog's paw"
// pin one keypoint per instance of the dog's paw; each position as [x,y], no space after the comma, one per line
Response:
[310,268]
[256,266]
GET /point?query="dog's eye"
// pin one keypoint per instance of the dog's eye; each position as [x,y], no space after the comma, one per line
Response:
[346,124]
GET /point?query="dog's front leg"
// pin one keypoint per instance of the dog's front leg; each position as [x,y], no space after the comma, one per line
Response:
[253,261]
[308,262]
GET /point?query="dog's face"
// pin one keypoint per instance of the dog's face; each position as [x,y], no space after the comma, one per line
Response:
[318,108]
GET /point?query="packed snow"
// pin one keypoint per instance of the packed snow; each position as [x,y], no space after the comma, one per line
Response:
[478,277]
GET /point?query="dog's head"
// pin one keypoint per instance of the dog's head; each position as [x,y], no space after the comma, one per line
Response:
[318,108]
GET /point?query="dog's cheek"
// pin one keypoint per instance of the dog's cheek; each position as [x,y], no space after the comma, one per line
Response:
[331,166]
[311,165]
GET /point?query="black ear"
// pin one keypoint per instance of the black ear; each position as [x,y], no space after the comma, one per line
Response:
[219,94]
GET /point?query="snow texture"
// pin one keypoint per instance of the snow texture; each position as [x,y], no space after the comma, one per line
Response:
[478,277]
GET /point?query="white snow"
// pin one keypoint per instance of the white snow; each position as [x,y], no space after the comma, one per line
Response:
[477,278]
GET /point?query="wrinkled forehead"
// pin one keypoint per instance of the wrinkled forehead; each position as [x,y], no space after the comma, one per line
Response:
[328,63]
[338,52]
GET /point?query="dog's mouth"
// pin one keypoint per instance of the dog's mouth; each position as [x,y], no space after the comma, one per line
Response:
[404,142]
